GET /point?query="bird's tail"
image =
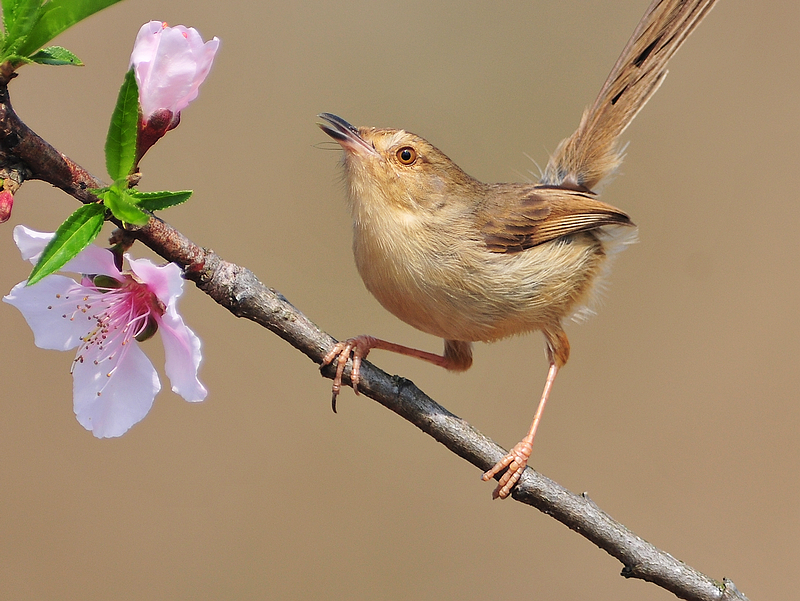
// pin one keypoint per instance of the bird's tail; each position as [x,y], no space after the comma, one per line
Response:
[593,152]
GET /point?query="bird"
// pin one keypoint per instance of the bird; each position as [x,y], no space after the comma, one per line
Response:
[469,261]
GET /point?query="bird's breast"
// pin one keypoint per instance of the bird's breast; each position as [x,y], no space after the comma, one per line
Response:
[437,275]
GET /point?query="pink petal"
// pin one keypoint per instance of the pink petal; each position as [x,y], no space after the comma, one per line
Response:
[145,46]
[30,242]
[126,395]
[199,58]
[44,311]
[164,281]
[92,259]
[95,261]
[174,60]
[181,345]
[182,356]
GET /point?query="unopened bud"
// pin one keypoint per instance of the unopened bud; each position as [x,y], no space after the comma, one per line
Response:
[6,204]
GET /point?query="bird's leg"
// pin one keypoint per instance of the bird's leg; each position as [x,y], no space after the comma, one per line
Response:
[457,357]
[517,458]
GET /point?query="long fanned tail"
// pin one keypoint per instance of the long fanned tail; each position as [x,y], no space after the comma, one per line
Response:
[593,152]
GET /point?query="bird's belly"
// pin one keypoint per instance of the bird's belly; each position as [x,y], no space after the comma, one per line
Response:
[464,292]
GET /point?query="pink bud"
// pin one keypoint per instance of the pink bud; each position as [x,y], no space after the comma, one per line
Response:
[170,63]
[6,204]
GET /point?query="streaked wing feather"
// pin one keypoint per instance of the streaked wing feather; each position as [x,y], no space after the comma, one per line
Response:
[511,223]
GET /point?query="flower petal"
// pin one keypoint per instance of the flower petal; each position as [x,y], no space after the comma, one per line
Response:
[199,57]
[165,281]
[50,308]
[92,259]
[182,356]
[95,261]
[181,345]
[30,242]
[111,397]
[145,46]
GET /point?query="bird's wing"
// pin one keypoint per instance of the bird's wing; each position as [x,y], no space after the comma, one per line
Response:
[519,217]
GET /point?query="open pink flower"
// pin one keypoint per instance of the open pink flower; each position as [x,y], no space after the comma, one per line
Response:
[114,383]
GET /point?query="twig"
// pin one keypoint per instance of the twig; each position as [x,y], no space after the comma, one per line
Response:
[238,290]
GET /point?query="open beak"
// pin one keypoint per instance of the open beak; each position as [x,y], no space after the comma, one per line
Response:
[347,135]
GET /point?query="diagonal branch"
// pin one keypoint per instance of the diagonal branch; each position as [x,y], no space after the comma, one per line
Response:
[238,290]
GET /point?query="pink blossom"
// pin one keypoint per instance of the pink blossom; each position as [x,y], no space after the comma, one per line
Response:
[170,63]
[114,383]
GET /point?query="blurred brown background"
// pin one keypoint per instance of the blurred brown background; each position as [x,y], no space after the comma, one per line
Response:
[678,411]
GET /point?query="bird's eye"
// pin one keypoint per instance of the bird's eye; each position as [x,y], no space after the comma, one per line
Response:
[406,155]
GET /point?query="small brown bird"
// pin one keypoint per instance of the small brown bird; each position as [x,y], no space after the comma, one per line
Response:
[468,261]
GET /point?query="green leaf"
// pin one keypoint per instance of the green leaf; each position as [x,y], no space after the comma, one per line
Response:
[57,16]
[20,18]
[123,207]
[55,55]
[158,201]
[9,10]
[121,139]
[72,236]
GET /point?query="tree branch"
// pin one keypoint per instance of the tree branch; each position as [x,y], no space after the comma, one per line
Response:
[237,289]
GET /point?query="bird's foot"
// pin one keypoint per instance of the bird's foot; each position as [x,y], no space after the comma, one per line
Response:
[359,347]
[516,460]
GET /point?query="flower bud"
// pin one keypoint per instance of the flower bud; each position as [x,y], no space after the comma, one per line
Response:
[170,63]
[6,204]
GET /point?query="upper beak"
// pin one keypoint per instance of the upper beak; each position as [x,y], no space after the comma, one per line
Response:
[347,135]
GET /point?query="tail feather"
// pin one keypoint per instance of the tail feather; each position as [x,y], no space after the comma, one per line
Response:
[593,152]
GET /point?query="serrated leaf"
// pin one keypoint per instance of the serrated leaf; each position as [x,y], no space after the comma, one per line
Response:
[122,206]
[72,236]
[8,7]
[57,16]
[158,201]
[55,55]
[121,139]
[20,18]
[9,10]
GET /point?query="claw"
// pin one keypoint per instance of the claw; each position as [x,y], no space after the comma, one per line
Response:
[516,461]
[359,347]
